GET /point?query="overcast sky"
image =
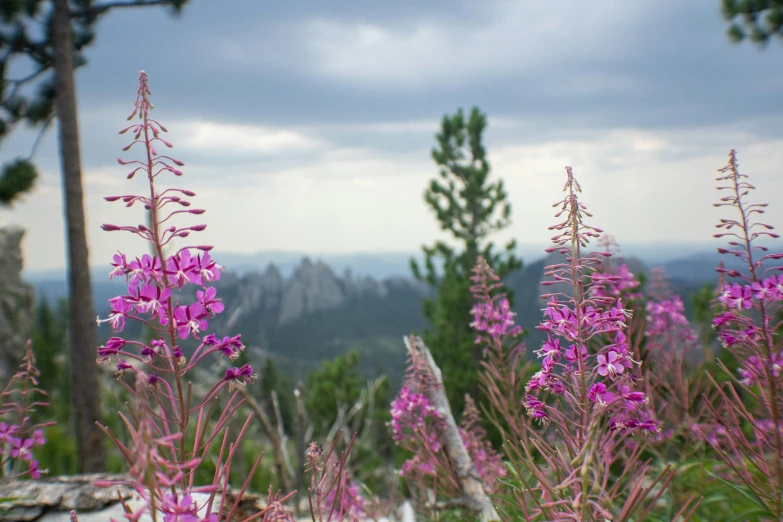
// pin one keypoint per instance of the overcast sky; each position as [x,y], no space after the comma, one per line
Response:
[308,125]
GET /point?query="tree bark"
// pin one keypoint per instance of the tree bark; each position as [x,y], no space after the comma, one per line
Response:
[85,391]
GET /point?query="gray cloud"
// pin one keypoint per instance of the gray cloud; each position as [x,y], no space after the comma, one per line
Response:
[601,63]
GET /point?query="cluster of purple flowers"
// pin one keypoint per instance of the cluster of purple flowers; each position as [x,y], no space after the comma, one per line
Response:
[152,279]
[19,436]
[739,331]
[666,311]
[162,468]
[410,412]
[616,283]
[567,361]
[741,297]
[587,394]
[749,327]
[14,445]
[417,426]
[494,318]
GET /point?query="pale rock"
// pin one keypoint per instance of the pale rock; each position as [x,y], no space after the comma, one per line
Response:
[16,302]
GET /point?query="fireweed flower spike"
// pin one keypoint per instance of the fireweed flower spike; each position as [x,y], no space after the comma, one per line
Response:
[18,435]
[584,401]
[675,383]
[572,361]
[163,455]
[504,368]
[749,327]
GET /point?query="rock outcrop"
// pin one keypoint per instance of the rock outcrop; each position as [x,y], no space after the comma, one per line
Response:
[313,287]
[16,302]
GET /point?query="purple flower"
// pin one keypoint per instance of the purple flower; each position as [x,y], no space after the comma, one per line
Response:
[21,448]
[570,353]
[208,301]
[181,266]
[35,472]
[182,511]
[153,299]
[7,431]
[766,290]
[120,265]
[609,364]
[104,352]
[207,271]
[38,438]
[230,346]
[210,339]
[736,296]
[190,320]
[142,270]
[599,394]
[120,309]
[239,375]
[147,353]
[123,365]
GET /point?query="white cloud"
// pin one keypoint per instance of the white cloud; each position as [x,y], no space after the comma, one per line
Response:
[226,139]
[640,186]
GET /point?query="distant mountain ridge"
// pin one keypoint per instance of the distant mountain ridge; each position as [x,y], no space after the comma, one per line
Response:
[380,265]
[311,313]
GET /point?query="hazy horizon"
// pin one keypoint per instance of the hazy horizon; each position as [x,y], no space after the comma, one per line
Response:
[653,252]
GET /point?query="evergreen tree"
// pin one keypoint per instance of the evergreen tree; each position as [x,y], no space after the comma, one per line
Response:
[50,345]
[48,37]
[49,334]
[273,380]
[336,382]
[17,178]
[470,208]
[759,20]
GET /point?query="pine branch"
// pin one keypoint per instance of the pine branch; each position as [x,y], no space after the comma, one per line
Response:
[100,9]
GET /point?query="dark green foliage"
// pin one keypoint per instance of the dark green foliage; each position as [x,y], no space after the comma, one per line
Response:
[470,208]
[704,312]
[16,178]
[50,338]
[50,345]
[273,380]
[337,382]
[757,20]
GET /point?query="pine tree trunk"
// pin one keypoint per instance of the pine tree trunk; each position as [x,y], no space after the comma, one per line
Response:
[84,372]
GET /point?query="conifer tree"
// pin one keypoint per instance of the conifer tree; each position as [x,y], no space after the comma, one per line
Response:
[470,208]
[17,178]
[757,20]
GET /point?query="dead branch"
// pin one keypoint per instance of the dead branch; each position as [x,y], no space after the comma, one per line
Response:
[474,495]
[274,437]
[281,434]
